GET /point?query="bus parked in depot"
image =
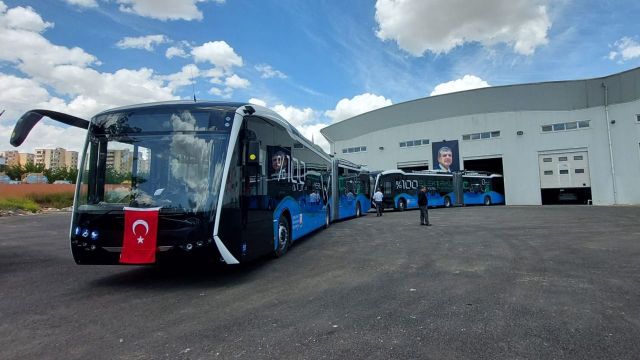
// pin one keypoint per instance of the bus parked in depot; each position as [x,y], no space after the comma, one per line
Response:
[400,189]
[351,189]
[227,181]
[445,189]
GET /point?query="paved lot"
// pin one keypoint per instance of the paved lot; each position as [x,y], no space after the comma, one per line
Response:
[482,283]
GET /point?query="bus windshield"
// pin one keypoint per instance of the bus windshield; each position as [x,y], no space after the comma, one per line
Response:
[171,160]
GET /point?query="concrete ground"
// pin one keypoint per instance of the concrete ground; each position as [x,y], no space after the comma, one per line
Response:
[499,282]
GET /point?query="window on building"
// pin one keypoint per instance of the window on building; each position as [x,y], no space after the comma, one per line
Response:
[417,142]
[547,159]
[495,134]
[579,171]
[638,118]
[466,137]
[583,124]
[350,150]
[577,157]
[363,148]
[344,151]
[403,144]
[564,172]
[546,128]
[425,141]
[558,127]
[562,158]
[475,136]
[571,125]
[485,135]
[548,172]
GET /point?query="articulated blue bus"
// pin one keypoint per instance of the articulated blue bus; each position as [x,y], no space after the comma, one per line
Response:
[445,189]
[351,189]
[227,181]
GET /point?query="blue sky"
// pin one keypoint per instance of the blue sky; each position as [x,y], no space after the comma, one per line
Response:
[314,62]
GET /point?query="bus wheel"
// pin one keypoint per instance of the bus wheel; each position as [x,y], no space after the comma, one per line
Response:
[402,205]
[487,200]
[327,218]
[358,210]
[284,237]
[447,201]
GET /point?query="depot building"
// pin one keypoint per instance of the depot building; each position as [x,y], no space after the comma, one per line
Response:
[572,141]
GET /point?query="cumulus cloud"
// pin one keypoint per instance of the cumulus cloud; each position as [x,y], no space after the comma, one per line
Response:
[186,76]
[217,53]
[83,3]
[236,82]
[437,26]
[467,82]
[625,49]
[175,51]
[267,72]
[164,9]
[357,105]
[142,42]
[60,78]
[257,102]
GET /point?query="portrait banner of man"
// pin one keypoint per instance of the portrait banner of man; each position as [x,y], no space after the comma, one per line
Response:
[445,156]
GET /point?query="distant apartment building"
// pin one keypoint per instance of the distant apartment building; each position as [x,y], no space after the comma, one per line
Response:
[120,160]
[27,158]
[57,158]
[12,157]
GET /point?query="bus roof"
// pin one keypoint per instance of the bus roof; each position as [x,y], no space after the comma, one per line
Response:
[241,108]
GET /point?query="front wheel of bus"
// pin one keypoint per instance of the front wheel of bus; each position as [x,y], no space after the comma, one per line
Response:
[402,205]
[358,210]
[284,237]
[487,200]
[447,202]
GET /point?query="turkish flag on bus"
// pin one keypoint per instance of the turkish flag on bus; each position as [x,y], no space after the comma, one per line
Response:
[140,236]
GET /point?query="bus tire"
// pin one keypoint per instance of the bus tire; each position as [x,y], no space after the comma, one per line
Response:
[327,218]
[358,210]
[447,201]
[283,237]
[487,200]
[402,205]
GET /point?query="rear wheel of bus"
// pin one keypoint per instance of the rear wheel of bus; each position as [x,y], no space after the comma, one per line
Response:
[327,218]
[447,201]
[358,210]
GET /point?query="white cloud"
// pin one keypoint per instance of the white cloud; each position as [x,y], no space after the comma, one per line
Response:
[625,49]
[266,72]
[23,18]
[218,53]
[295,116]
[236,82]
[164,9]
[357,105]
[438,26]
[186,76]
[257,102]
[467,82]
[142,42]
[175,51]
[83,3]
[52,72]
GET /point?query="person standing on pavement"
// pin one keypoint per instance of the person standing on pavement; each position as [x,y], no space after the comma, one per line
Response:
[422,204]
[377,200]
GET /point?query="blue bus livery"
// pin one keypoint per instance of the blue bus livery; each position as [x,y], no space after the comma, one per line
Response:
[229,181]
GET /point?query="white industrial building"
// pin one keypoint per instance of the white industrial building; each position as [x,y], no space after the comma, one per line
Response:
[552,141]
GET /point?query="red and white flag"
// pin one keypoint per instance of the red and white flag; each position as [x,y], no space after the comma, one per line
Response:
[140,236]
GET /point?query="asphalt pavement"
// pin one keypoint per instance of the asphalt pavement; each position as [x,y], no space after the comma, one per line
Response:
[501,282]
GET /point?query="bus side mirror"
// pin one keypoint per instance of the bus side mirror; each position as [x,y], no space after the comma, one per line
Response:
[253,153]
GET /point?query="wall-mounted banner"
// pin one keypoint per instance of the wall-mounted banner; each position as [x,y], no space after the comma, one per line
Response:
[445,155]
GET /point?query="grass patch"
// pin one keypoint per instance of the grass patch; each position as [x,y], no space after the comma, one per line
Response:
[56,200]
[19,204]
